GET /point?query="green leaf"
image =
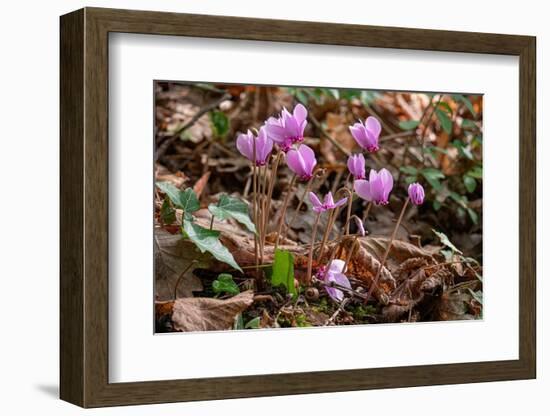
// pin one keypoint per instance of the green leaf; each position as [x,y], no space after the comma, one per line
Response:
[229,207]
[473,215]
[167,213]
[436,204]
[186,200]
[253,323]
[409,124]
[468,124]
[220,122]
[239,323]
[409,170]
[466,101]
[171,192]
[463,149]
[470,183]
[225,284]
[208,240]
[476,172]
[446,107]
[444,119]
[446,242]
[283,271]
[433,176]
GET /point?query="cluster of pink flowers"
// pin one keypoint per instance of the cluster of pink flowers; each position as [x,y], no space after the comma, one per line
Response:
[287,133]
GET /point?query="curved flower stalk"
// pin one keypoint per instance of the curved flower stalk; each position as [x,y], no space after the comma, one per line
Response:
[356,166]
[414,191]
[302,162]
[288,128]
[366,134]
[377,189]
[256,149]
[334,273]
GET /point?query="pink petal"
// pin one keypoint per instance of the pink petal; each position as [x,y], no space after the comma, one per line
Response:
[308,156]
[340,202]
[296,162]
[373,126]
[362,188]
[300,113]
[244,145]
[328,201]
[315,201]
[336,266]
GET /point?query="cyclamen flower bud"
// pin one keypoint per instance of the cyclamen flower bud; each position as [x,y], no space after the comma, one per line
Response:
[416,193]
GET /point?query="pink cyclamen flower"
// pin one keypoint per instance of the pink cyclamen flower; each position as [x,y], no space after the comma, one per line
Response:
[377,189]
[288,128]
[328,202]
[356,166]
[334,272]
[366,134]
[302,161]
[264,145]
[416,193]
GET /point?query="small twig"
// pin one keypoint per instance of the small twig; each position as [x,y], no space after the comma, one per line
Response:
[335,314]
[174,136]
[181,277]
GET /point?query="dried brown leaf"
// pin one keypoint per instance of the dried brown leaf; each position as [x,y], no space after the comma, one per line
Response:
[173,254]
[208,314]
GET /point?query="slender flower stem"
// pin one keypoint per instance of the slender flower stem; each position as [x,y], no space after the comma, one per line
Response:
[366,213]
[255,202]
[350,203]
[387,252]
[283,211]
[319,173]
[328,229]
[212,221]
[350,254]
[180,278]
[272,181]
[310,259]
[332,219]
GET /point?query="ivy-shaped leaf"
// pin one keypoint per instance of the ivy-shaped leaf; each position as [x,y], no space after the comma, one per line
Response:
[167,213]
[186,200]
[225,284]
[229,207]
[208,240]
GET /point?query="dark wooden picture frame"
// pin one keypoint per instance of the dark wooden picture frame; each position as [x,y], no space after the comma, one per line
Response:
[84,207]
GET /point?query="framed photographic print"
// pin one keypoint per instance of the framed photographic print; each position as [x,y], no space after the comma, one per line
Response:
[257,207]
